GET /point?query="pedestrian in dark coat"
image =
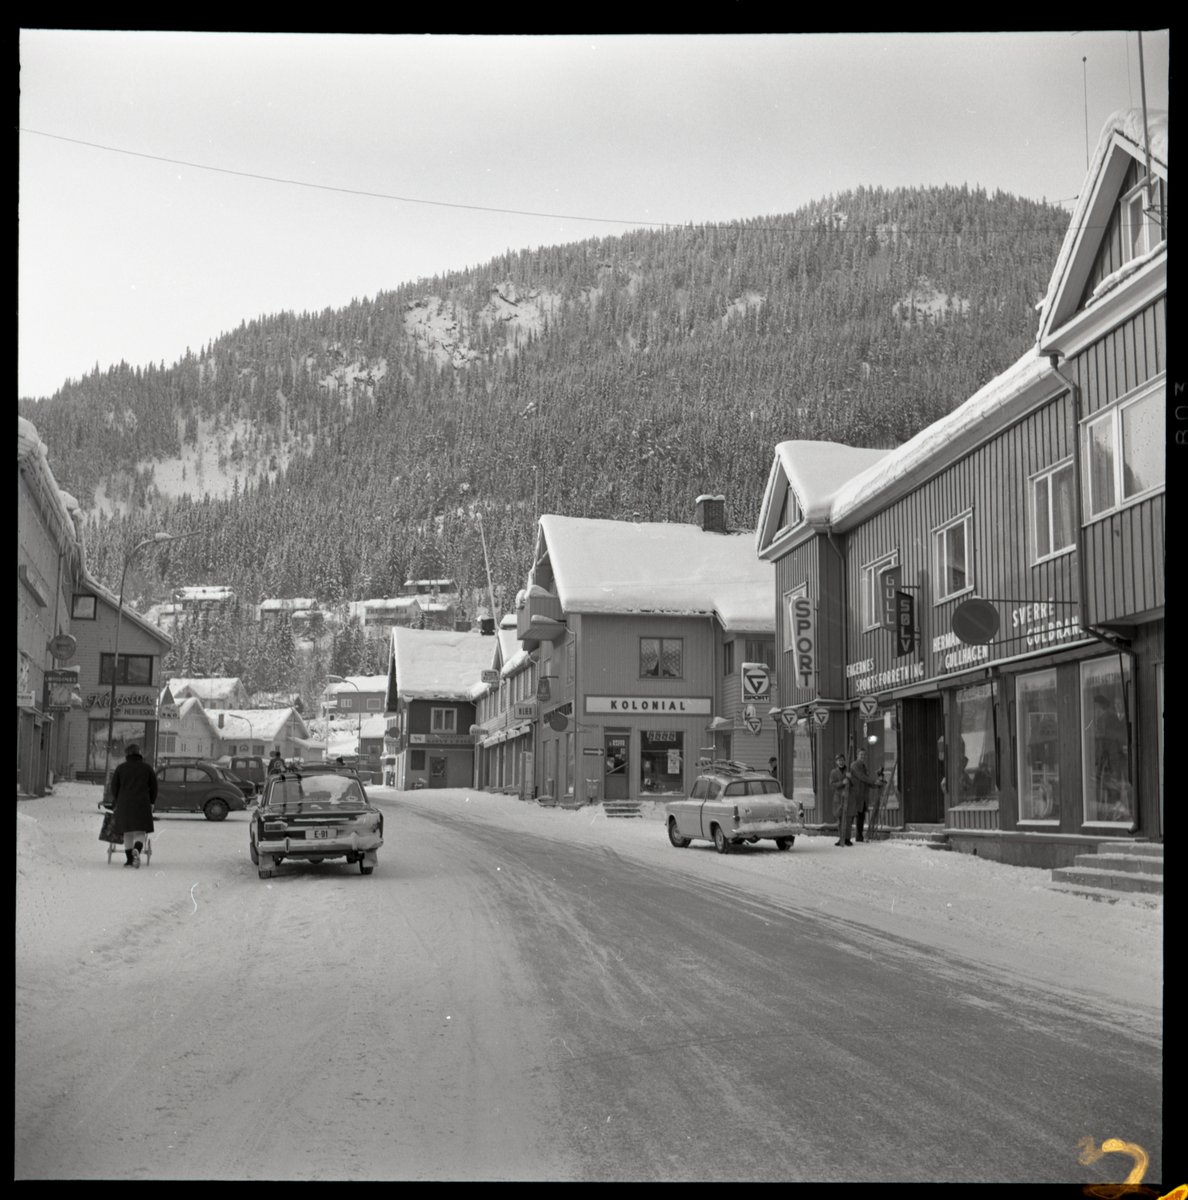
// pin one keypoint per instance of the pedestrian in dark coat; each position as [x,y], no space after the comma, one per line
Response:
[276,764]
[838,779]
[861,781]
[133,794]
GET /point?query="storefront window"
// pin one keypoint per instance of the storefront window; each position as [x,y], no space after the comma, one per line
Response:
[1037,736]
[662,760]
[803,743]
[570,764]
[977,771]
[1106,757]
[123,735]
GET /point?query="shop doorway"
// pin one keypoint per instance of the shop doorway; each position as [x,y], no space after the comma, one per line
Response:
[615,782]
[922,766]
[437,772]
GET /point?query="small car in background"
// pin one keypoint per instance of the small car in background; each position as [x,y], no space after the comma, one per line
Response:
[198,785]
[314,813]
[731,803]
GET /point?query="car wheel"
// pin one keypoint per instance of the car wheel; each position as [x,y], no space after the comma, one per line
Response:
[252,852]
[674,837]
[216,809]
[364,869]
[265,873]
[783,843]
[721,841]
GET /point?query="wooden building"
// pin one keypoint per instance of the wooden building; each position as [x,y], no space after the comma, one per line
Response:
[982,609]
[628,624]
[506,717]
[434,681]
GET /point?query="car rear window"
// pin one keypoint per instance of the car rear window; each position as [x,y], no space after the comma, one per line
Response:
[763,787]
[332,789]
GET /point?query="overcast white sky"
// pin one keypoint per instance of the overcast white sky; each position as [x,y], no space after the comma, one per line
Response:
[133,258]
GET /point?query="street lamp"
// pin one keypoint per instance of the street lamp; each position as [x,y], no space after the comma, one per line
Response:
[155,540]
[359,731]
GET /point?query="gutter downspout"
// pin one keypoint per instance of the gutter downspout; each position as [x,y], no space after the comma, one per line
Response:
[1114,642]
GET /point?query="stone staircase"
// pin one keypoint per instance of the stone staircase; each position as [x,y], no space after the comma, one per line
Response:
[927,836]
[1131,871]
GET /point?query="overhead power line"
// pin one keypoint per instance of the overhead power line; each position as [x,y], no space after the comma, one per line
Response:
[516,212]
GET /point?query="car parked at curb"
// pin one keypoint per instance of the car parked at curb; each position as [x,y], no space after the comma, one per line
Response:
[314,813]
[197,785]
[732,803]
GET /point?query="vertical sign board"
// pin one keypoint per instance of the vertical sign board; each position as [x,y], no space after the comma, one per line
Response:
[890,582]
[804,639]
[905,627]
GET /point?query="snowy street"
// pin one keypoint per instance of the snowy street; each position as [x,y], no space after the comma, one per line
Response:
[528,993]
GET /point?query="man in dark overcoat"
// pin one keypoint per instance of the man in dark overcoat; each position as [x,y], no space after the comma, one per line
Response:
[861,781]
[133,794]
[839,786]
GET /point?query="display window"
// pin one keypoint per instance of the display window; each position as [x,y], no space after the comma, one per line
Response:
[661,761]
[977,770]
[1107,758]
[124,734]
[1037,742]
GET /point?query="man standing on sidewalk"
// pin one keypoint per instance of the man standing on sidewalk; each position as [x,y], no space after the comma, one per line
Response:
[861,781]
[133,794]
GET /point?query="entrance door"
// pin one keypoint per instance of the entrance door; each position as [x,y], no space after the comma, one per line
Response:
[615,784]
[437,772]
[922,768]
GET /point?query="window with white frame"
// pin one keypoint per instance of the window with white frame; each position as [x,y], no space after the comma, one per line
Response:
[444,720]
[1125,449]
[1053,511]
[872,601]
[953,544]
[1140,227]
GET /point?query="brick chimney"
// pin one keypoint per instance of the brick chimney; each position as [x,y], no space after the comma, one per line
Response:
[711,513]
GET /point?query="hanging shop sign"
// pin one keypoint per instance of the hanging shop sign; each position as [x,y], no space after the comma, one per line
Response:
[756,682]
[975,622]
[820,717]
[804,639]
[788,718]
[905,623]
[63,647]
[868,706]
[489,676]
[752,720]
[890,583]
[524,712]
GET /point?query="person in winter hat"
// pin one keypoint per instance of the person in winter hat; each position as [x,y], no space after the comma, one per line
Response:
[133,795]
[861,781]
[841,800]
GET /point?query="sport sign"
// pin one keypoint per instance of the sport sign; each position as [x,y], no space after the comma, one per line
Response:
[804,639]
[756,682]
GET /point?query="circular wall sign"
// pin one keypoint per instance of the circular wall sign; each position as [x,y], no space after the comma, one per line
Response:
[975,622]
[63,647]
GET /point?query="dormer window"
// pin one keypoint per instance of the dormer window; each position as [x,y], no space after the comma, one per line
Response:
[1140,226]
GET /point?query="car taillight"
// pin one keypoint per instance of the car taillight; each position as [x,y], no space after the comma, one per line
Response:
[274,826]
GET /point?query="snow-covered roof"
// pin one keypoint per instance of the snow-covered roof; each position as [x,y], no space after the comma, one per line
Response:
[192,705]
[440,664]
[373,727]
[66,512]
[508,642]
[358,683]
[1122,138]
[206,689]
[260,724]
[1002,400]
[193,594]
[658,567]
[296,604]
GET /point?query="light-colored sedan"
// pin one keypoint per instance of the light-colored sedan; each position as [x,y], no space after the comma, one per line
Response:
[732,803]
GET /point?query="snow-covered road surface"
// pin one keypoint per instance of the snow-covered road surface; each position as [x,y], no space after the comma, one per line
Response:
[191,1021]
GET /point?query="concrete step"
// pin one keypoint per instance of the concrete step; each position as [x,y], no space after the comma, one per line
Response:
[1117,881]
[1121,860]
[912,837]
[621,808]
[1108,896]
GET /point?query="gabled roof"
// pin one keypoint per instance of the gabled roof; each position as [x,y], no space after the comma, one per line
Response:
[815,472]
[192,705]
[439,664]
[130,614]
[1121,143]
[657,567]
[206,689]
[257,724]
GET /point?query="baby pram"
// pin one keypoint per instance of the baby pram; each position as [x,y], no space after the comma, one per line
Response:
[115,841]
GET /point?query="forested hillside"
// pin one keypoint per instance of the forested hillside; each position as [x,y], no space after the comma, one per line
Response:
[614,377]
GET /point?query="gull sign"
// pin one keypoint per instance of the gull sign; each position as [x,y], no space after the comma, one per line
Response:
[756,682]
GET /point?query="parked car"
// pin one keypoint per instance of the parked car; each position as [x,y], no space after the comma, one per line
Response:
[314,813]
[198,785]
[248,766]
[731,803]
